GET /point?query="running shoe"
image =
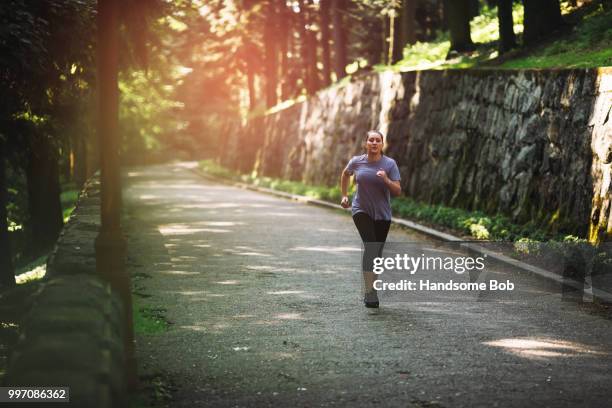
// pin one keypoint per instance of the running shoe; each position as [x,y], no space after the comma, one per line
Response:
[371,299]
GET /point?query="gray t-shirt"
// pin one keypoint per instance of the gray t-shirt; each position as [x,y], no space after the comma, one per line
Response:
[372,196]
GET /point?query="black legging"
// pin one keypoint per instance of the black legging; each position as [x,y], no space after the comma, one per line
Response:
[373,234]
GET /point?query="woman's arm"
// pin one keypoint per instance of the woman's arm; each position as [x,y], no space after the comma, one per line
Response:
[344,180]
[394,186]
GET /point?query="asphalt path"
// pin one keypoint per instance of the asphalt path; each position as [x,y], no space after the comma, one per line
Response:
[263,296]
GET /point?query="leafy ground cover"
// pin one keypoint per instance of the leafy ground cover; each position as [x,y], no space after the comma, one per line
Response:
[148,320]
[588,44]
[68,198]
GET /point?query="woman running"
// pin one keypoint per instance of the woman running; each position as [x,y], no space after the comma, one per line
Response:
[377,178]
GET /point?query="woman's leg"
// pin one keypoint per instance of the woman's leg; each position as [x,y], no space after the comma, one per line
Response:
[367,230]
[366,227]
[381,229]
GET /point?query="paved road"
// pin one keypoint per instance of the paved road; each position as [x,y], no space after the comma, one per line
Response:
[264,299]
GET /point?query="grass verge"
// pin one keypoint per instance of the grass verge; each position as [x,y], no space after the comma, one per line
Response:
[148,320]
[68,198]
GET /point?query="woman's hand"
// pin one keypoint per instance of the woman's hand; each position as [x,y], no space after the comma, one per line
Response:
[393,186]
[344,180]
[383,174]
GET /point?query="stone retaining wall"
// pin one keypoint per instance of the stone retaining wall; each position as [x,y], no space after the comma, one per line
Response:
[534,145]
[72,335]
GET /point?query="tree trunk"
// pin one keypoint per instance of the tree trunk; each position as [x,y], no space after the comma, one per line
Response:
[66,159]
[507,39]
[376,54]
[339,36]
[7,271]
[474,6]
[251,87]
[92,149]
[395,48]
[408,17]
[80,160]
[249,51]
[312,83]
[303,44]
[458,17]
[42,173]
[324,14]
[270,38]
[542,17]
[385,39]
[294,68]
[285,33]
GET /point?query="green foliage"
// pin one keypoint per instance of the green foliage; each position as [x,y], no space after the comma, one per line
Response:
[45,63]
[145,113]
[68,198]
[589,45]
[484,32]
[288,186]
[154,391]
[210,167]
[474,224]
[575,256]
[148,320]
[296,187]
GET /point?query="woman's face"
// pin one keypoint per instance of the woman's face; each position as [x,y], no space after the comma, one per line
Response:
[374,143]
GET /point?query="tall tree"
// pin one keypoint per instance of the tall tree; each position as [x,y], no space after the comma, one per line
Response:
[458,14]
[303,45]
[396,48]
[310,48]
[474,6]
[431,17]
[542,17]
[7,271]
[248,55]
[324,10]
[408,25]
[339,37]
[46,44]
[285,31]
[294,64]
[385,39]
[404,30]
[56,108]
[42,172]
[270,47]
[507,38]
[22,49]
